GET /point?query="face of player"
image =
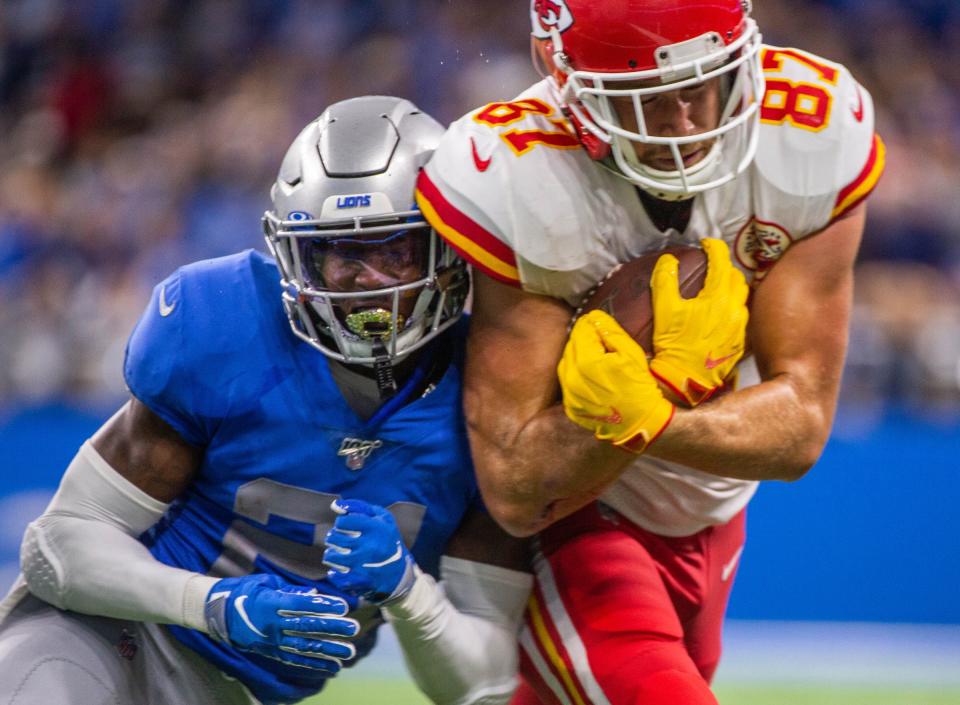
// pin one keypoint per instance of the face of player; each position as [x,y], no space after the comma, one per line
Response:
[370,263]
[679,113]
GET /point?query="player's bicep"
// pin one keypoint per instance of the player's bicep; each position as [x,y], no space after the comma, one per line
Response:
[800,313]
[148,452]
[516,339]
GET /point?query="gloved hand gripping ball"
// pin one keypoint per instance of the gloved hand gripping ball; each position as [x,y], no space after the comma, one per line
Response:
[607,385]
[698,341]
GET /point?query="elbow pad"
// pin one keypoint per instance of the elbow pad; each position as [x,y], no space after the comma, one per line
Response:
[82,553]
[42,569]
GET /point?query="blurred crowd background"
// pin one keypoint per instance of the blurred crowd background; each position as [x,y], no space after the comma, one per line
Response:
[138,135]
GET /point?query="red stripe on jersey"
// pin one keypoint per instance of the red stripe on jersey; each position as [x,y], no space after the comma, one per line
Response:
[861,187]
[477,245]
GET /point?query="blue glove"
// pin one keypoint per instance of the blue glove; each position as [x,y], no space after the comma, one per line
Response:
[366,554]
[272,618]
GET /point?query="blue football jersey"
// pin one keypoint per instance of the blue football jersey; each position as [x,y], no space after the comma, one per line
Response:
[215,358]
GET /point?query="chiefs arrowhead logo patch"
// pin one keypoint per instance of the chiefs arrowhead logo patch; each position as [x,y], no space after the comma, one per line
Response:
[759,245]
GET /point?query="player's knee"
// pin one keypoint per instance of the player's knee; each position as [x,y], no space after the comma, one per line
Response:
[672,687]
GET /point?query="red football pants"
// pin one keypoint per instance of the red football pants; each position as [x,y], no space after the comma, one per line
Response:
[621,616]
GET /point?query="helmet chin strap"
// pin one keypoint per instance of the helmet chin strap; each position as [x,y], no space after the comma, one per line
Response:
[375,325]
[383,370]
[362,331]
[597,148]
[596,144]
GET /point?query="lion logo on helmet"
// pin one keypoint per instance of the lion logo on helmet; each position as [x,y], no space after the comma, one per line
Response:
[548,14]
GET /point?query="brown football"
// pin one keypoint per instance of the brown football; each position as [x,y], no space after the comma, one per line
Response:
[625,292]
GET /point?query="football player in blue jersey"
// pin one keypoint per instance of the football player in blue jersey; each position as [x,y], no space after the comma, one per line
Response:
[240,528]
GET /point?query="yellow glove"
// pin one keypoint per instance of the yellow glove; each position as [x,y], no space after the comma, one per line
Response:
[607,385]
[697,342]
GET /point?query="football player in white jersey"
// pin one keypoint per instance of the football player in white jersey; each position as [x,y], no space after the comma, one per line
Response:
[658,122]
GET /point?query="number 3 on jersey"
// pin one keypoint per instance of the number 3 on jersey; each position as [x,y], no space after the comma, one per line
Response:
[522,141]
[263,500]
[803,105]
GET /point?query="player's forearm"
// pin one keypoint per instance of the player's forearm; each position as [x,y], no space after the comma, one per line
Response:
[82,554]
[126,582]
[460,642]
[773,431]
[546,470]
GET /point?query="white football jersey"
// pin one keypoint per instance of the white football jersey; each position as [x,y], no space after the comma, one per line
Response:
[510,187]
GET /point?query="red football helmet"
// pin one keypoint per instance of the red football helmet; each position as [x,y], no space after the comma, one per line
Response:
[599,50]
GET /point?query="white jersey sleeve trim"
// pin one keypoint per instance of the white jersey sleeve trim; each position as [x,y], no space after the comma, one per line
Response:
[82,553]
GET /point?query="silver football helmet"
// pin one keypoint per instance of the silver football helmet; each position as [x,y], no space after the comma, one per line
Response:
[365,279]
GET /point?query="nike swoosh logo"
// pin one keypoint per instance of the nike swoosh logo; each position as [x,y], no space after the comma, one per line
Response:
[710,362]
[613,417]
[727,570]
[481,164]
[238,605]
[858,111]
[165,309]
[395,557]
